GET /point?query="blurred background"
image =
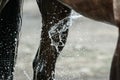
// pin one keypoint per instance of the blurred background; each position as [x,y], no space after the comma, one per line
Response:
[86,56]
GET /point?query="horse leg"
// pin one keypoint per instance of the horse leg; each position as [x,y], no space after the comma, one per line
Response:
[55,22]
[9,31]
[115,69]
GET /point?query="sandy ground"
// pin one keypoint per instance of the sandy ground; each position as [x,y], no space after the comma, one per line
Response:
[86,56]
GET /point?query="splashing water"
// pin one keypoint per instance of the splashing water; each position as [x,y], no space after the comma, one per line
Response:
[57,31]
[75,15]
[58,28]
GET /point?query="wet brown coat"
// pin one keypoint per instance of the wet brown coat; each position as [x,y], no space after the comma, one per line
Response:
[107,10]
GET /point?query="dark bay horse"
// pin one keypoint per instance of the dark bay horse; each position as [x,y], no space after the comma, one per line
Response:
[55,25]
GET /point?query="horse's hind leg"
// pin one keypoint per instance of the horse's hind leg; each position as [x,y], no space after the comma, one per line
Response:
[9,30]
[115,69]
[55,22]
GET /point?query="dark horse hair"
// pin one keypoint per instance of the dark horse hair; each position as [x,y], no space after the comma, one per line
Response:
[53,12]
[55,26]
[10,20]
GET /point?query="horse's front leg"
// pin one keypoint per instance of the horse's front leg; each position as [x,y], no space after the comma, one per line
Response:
[55,22]
[9,34]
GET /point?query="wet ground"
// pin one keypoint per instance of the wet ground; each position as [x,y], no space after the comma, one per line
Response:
[86,56]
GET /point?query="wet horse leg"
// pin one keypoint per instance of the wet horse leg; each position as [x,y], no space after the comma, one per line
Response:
[9,31]
[115,69]
[55,22]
